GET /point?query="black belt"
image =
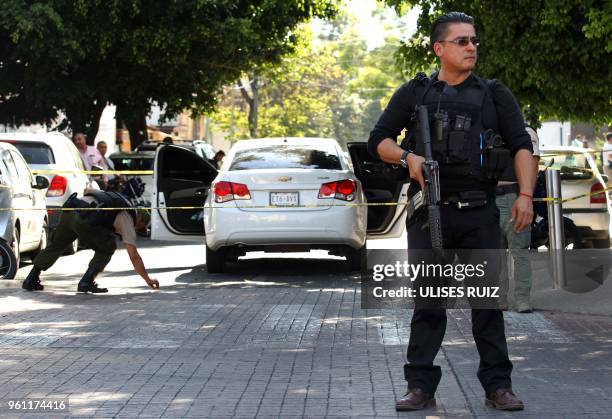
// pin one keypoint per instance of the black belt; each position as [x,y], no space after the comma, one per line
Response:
[509,188]
[466,199]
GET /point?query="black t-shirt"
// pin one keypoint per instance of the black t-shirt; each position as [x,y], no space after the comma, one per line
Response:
[505,118]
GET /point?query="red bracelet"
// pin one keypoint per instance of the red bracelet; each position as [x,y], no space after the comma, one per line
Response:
[527,195]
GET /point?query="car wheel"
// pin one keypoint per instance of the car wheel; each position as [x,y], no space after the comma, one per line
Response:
[215,260]
[73,248]
[601,243]
[357,258]
[44,240]
[8,261]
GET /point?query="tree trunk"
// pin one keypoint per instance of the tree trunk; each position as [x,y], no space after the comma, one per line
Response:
[94,123]
[86,119]
[134,116]
[137,128]
[252,104]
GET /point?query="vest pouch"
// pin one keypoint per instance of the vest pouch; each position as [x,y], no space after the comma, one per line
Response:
[457,149]
[495,160]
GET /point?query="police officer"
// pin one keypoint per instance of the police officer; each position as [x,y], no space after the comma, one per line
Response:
[96,229]
[469,109]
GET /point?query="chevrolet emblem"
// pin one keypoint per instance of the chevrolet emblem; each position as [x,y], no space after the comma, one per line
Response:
[284,179]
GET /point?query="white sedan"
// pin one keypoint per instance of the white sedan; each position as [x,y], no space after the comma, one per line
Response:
[277,195]
[581,179]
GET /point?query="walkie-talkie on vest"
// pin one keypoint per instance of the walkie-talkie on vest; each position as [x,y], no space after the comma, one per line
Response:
[431,173]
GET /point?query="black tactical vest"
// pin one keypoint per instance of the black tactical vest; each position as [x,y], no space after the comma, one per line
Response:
[106,218]
[458,138]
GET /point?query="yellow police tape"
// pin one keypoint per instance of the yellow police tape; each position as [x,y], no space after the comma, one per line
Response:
[201,207]
[94,172]
[150,172]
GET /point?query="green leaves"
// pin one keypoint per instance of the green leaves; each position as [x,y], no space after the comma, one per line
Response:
[73,55]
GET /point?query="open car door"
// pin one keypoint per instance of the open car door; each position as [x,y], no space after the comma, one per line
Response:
[182,179]
[381,184]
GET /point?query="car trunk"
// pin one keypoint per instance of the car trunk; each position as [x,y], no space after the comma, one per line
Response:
[285,189]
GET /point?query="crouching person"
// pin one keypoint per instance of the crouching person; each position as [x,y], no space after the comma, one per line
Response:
[96,228]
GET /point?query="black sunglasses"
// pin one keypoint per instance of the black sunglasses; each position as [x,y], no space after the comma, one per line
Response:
[463,41]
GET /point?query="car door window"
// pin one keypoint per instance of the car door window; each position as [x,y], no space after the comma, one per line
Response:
[10,165]
[22,169]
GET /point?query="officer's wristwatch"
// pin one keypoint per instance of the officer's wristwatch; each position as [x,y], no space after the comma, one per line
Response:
[403,159]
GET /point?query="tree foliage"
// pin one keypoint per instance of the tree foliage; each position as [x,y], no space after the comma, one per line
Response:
[331,86]
[77,56]
[554,55]
[295,96]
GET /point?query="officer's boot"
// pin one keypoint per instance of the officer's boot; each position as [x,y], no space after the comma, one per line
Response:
[87,283]
[32,282]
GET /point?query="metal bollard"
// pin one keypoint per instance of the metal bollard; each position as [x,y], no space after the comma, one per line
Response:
[556,242]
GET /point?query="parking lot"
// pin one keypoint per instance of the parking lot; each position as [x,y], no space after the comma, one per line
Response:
[281,336]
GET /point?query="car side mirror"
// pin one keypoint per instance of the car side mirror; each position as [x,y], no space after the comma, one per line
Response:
[40,182]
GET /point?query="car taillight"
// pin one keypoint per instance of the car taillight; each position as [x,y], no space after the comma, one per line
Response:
[598,198]
[342,189]
[58,186]
[228,191]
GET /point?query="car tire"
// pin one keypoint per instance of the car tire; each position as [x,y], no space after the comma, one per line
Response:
[73,248]
[44,241]
[215,260]
[8,261]
[357,258]
[601,243]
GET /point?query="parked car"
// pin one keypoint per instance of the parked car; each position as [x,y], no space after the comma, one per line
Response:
[53,151]
[142,160]
[580,176]
[278,195]
[24,229]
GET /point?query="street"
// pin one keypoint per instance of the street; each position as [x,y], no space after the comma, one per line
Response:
[281,336]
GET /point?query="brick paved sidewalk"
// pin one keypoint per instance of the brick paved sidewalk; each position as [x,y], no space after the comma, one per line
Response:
[279,344]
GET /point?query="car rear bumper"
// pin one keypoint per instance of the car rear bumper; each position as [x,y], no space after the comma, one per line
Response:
[337,226]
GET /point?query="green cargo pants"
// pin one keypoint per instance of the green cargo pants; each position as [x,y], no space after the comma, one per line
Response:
[518,259]
[71,226]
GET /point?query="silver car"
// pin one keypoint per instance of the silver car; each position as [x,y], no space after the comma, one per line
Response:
[24,228]
[277,195]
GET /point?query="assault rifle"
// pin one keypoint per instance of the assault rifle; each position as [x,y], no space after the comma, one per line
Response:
[431,173]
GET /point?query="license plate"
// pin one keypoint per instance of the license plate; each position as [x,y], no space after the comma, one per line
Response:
[284,199]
